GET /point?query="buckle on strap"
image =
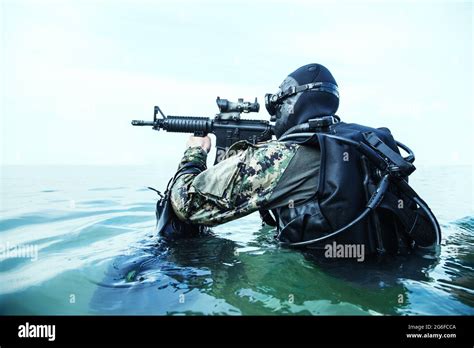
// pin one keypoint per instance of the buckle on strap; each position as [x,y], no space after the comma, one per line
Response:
[397,165]
[290,91]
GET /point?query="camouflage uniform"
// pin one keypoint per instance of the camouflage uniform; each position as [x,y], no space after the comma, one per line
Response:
[235,187]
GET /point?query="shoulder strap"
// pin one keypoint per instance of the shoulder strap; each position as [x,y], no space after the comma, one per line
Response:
[396,161]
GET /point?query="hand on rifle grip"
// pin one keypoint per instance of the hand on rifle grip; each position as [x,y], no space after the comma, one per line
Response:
[203,142]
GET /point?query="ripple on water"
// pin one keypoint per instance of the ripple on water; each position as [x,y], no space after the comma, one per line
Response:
[107,188]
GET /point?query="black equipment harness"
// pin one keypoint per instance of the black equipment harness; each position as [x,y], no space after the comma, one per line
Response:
[362,177]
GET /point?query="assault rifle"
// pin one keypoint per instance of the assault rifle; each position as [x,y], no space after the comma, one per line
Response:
[227,125]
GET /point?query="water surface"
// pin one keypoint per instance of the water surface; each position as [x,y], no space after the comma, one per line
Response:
[96,253]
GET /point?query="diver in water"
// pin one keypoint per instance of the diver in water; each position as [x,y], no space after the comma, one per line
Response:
[322,182]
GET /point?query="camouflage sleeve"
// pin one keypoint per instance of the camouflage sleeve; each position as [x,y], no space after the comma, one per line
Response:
[235,187]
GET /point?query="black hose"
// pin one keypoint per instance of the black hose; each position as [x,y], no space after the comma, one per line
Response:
[312,241]
[411,155]
[373,203]
[432,219]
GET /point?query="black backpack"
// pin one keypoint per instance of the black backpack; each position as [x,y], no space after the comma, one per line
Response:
[363,195]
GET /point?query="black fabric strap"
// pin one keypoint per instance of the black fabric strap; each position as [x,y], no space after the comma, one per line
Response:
[376,143]
[317,86]
[267,217]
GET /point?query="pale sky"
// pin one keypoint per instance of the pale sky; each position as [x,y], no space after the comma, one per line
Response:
[75,73]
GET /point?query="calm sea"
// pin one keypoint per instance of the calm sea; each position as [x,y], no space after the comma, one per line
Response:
[79,240]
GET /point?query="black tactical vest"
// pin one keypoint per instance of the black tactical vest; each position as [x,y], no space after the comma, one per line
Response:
[348,179]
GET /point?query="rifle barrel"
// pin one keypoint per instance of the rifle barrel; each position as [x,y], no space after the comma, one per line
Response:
[142,123]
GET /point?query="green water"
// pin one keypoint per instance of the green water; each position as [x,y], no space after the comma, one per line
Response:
[97,254]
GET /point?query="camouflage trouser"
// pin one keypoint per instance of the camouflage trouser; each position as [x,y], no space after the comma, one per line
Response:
[236,186]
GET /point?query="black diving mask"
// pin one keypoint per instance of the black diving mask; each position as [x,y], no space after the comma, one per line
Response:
[273,101]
